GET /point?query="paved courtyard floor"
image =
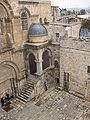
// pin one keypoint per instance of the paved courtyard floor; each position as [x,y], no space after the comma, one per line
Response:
[54,105]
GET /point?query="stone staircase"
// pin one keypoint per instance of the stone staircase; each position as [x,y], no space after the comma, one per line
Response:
[26,91]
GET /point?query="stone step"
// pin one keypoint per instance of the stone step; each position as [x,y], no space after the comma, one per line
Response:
[20,101]
[27,90]
[27,87]
[32,83]
[29,84]
[30,89]
[24,97]
[25,94]
[21,98]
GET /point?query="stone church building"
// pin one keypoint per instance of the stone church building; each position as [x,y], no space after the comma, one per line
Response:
[35,47]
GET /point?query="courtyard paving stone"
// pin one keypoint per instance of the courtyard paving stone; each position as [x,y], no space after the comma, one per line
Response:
[55,105]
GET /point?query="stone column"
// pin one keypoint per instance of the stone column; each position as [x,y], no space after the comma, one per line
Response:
[39,67]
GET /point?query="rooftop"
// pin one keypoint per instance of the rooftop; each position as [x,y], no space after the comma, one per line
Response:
[84,16]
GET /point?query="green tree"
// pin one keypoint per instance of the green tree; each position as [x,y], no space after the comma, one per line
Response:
[74,12]
[82,12]
[69,12]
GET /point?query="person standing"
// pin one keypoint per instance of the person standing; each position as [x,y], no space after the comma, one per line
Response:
[45,86]
[2,102]
[7,97]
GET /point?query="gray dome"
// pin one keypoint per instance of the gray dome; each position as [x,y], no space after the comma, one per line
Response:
[37,30]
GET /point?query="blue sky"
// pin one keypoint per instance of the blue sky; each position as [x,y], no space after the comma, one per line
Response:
[73,3]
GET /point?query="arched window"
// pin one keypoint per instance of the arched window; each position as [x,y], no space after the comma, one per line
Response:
[40,20]
[45,20]
[56,64]
[32,64]
[24,20]
[45,58]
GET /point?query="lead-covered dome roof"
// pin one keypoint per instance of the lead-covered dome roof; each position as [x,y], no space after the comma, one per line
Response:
[37,30]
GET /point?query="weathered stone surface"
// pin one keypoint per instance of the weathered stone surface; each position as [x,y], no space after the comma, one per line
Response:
[56,105]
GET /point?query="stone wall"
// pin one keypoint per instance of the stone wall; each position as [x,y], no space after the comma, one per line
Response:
[12,60]
[73,30]
[48,76]
[35,8]
[44,11]
[74,59]
[35,11]
[56,28]
[11,66]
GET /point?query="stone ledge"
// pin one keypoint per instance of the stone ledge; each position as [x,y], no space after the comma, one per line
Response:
[77,94]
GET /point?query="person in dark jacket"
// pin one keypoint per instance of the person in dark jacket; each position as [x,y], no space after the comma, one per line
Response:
[2,102]
[45,86]
[7,97]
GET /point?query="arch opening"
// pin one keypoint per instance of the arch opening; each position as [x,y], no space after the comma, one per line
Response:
[8,80]
[32,64]
[46,61]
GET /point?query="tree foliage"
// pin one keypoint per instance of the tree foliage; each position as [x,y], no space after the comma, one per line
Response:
[82,12]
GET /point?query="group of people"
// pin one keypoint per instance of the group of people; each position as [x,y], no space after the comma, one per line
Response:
[5,100]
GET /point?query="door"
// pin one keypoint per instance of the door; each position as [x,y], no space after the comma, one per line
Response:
[66,81]
[13,86]
[57,81]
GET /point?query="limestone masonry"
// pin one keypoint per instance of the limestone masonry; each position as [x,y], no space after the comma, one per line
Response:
[40,49]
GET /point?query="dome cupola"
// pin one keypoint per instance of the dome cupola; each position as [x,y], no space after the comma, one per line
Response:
[37,30]
[37,33]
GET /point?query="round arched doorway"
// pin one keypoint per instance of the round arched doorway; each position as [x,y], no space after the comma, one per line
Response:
[46,62]
[32,64]
[8,80]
